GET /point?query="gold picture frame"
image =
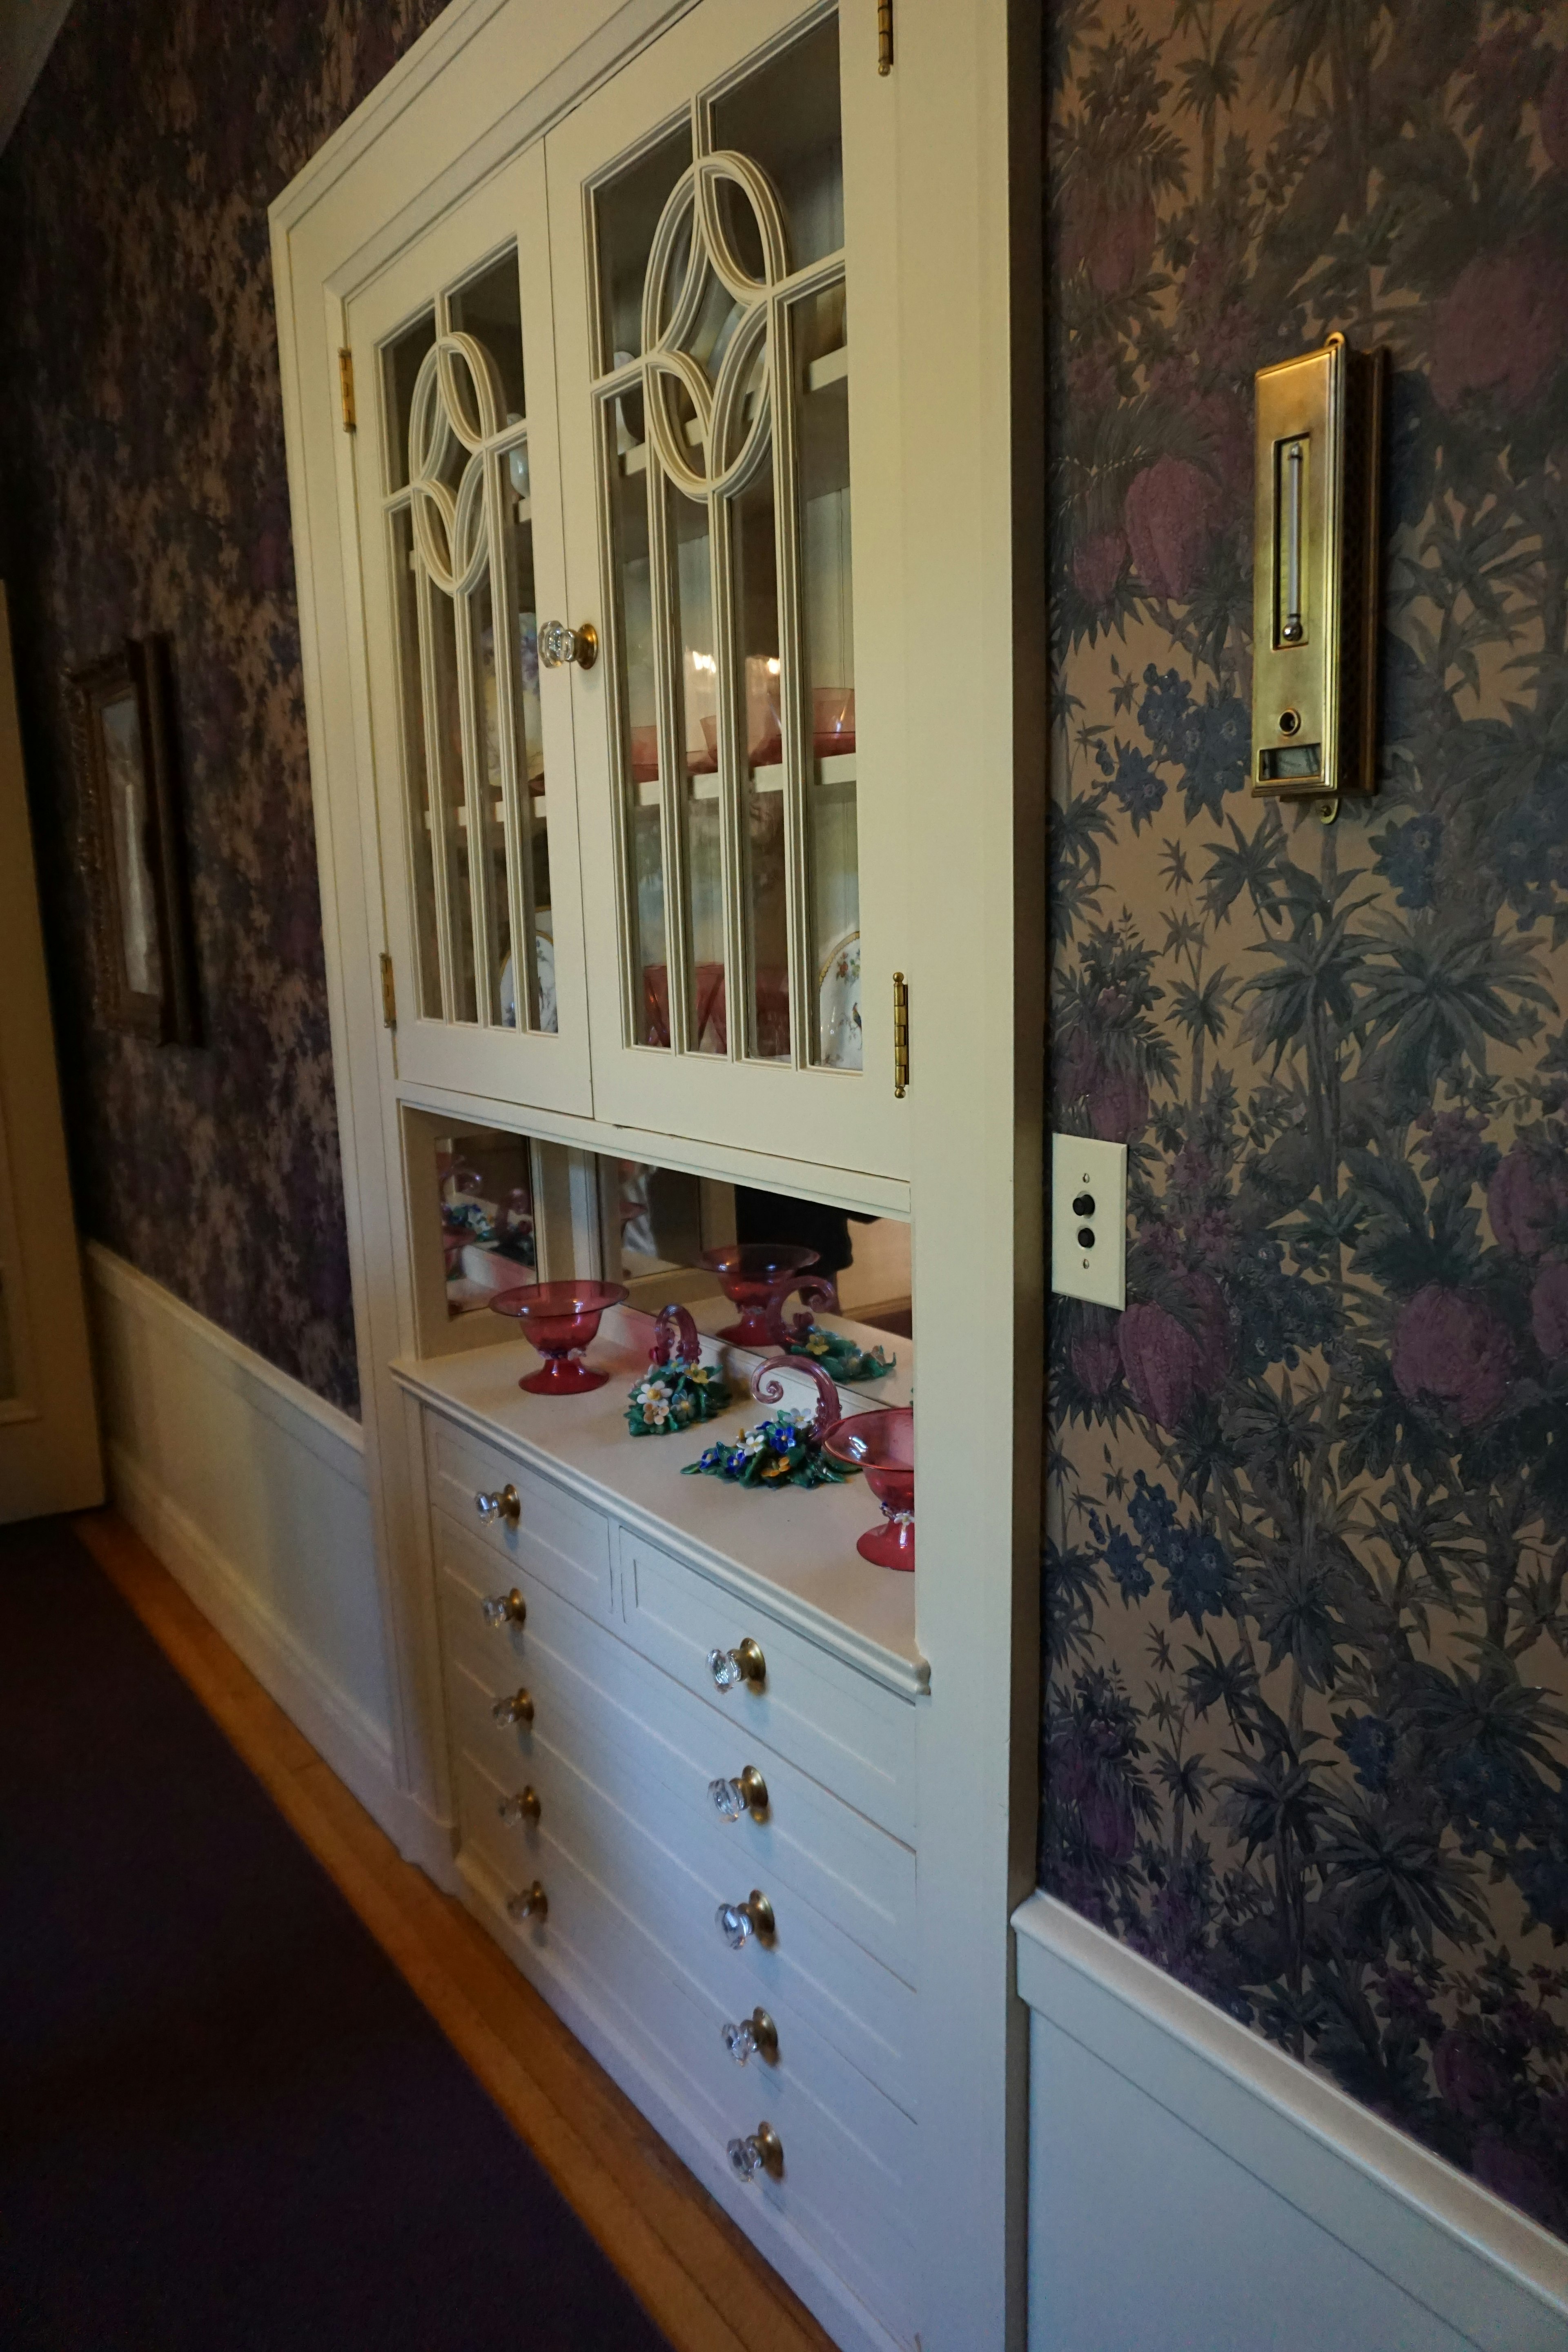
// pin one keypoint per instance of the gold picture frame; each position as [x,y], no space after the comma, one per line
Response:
[123,742]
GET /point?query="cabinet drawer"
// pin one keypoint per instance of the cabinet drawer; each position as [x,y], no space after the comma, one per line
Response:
[865,2012]
[847,2158]
[838,1725]
[611,1710]
[564,1542]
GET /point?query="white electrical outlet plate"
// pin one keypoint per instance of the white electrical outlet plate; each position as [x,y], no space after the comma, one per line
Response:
[1084,1172]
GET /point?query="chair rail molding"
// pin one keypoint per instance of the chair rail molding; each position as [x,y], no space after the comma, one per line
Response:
[1484,2273]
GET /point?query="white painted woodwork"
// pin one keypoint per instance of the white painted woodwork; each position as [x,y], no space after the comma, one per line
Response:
[514,1064]
[625,1732]
[835,1119]
[1191,2184]
[943,296]
[49,1458]
[251,1489]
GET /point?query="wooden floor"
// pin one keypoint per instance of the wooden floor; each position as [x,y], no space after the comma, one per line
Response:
[684,2261]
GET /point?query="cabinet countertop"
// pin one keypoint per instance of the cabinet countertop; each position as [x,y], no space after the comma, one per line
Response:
[793,1551]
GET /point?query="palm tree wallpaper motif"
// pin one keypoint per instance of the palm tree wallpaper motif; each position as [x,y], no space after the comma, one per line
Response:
[1306,1731]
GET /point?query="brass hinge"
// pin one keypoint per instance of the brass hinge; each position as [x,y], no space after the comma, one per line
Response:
[388,992]
[900,1035]
[884,36]
[346,386]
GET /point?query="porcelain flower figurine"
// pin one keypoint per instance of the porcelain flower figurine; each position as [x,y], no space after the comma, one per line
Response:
[677,1389]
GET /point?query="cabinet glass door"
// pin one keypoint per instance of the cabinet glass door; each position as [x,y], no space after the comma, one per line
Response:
[459,528]
[735,758]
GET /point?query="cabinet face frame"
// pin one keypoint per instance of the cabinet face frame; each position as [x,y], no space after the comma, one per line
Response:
[490,77]
[837,1117]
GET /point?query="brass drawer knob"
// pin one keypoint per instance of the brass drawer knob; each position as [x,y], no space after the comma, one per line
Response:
[524,1807]
[739,1922]
[503,1609]
[762,2152]
[518,1708]
[503,1505]
[749,1794]
[743,1664]
[529,1903]
[755,2037]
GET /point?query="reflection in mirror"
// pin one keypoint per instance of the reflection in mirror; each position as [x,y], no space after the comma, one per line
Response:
[486,1182]
[668,1220]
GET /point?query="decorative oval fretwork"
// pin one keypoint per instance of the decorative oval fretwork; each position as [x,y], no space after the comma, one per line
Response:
[457,399]
[692,252]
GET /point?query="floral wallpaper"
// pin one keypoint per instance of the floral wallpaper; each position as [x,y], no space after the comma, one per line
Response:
[1305,1734]
[144,488]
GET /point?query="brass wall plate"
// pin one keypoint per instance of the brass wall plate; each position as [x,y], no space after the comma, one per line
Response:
[1317,559]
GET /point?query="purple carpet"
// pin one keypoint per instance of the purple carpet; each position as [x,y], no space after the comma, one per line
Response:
[226,2123]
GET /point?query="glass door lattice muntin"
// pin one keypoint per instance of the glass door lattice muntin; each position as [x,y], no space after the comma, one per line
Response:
[457,512]
[718,287]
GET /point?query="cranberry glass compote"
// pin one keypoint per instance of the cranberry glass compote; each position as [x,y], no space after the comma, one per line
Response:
[883,1444]
[751,1276]
[560,1319]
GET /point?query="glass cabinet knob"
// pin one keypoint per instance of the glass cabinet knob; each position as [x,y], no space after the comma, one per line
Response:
[518,1708]
[762,2152]
[504,1609]
[743,1664]
[502,1505]
[753,2035]
[558,645]
[739,1922]
[529,1903]
[524,1807]
[749,1794]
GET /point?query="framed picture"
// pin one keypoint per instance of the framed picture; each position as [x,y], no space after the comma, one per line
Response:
[124,745]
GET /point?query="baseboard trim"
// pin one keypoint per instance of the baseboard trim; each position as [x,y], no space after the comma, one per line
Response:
[1475,2262]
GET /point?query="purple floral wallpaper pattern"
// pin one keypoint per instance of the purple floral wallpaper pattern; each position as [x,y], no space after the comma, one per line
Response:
[1306,1734]
[144,488]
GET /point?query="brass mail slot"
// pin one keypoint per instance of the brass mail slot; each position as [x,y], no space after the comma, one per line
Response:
[1315,587]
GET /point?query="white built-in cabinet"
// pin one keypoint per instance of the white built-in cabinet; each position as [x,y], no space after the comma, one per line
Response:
[649,371]
[631,381]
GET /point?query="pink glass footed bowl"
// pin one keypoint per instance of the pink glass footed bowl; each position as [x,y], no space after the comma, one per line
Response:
[750,1274]
[560,1319]
[883,1444]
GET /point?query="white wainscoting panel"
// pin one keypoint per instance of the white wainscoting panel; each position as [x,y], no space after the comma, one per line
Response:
[252,1492]
[1194,2190]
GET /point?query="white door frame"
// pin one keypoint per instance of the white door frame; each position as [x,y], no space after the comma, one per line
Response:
[489,76]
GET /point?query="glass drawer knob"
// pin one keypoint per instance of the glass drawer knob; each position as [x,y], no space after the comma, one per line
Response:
[743,1664]
[504,1609]
[529,1903]
[524,1807]
[558,645]
[502,1505]
[749,1794]
[762,2152]
[756,2035]
[518,1708]
[739,1922]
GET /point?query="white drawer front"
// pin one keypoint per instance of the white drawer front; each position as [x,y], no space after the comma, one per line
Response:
[566,1543]
[610,1699]
[838,1725]
[845,2167]
[606,1820]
